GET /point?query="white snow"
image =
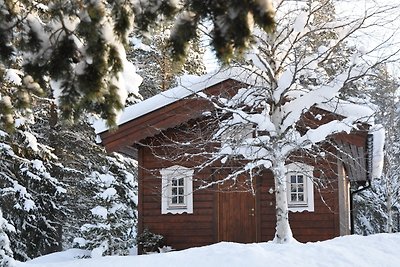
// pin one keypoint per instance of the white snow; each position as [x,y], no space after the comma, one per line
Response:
[137,44]
[300,22]
[29,205]
[38,165]
[58,257]
[99,211]
[283,83]
[106,179]
[378,132]
[189,85]
[31,140]
[61,190]
[349,251]
[108,193]
[98,252]
[14,76]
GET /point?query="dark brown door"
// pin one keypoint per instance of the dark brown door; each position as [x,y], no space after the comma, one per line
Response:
[237,217]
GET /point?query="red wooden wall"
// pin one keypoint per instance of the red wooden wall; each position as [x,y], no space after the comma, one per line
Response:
[201,228]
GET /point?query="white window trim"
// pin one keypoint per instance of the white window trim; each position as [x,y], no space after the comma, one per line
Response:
[307,172]
[167,174]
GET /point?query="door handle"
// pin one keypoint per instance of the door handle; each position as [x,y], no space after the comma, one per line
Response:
[251,212]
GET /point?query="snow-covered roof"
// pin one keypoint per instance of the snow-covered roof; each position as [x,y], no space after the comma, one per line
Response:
[363,113]
[188,85]
[191,84]
[378,133]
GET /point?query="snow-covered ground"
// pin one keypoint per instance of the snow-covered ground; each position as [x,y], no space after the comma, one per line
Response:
[381,250]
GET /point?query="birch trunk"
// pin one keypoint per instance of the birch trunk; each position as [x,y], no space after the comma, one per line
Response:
[283,232]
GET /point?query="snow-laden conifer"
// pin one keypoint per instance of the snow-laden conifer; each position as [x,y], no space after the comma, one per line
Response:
[6,254]
[111,224]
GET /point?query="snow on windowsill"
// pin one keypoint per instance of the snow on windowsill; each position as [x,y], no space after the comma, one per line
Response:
[301,208]
[177,211]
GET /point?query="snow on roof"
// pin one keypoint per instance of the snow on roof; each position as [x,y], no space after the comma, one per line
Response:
[362,113]
[378,132]
[189,84]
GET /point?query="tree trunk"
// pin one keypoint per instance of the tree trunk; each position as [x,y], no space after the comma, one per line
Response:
[283,232]
[389,205]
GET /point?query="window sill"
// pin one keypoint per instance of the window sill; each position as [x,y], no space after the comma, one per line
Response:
[176,210]
[299,208]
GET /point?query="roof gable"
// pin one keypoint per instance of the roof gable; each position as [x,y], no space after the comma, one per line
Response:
[189,85]
[172,112]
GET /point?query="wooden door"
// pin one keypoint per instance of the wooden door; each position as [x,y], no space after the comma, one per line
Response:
[237,216]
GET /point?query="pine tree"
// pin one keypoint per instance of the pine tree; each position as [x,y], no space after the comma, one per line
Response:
[82,164]
[30,194]
[155,64]
[45,195]
[6,255]
[232,22]
[111,226]
[75,50]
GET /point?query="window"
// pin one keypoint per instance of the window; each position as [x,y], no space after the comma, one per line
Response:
[297,186]
[300,190]
[177,189]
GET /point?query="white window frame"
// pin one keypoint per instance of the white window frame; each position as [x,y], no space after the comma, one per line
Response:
[169,174]
[306,171]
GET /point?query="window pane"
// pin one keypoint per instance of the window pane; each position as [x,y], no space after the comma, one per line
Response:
[293,188]
[174,200]
[180,199]
[293,179]
[293,197]
[174,183]
[301,197]
[300,179]
[180,191]
[174,191]
[180,181]
[300,188]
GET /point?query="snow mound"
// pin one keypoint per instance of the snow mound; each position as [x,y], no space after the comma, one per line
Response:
[349,251]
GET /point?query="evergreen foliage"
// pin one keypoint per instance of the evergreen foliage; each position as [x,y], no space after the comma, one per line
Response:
[48,187]
[6,255]
[74,51]
[376,208]
[112,220]
[232,21]
[155,65]
[149,241]
[31,195]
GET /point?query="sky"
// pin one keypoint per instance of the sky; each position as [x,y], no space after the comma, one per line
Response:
[380,29]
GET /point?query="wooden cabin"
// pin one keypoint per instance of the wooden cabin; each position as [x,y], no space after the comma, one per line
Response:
[170,203]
